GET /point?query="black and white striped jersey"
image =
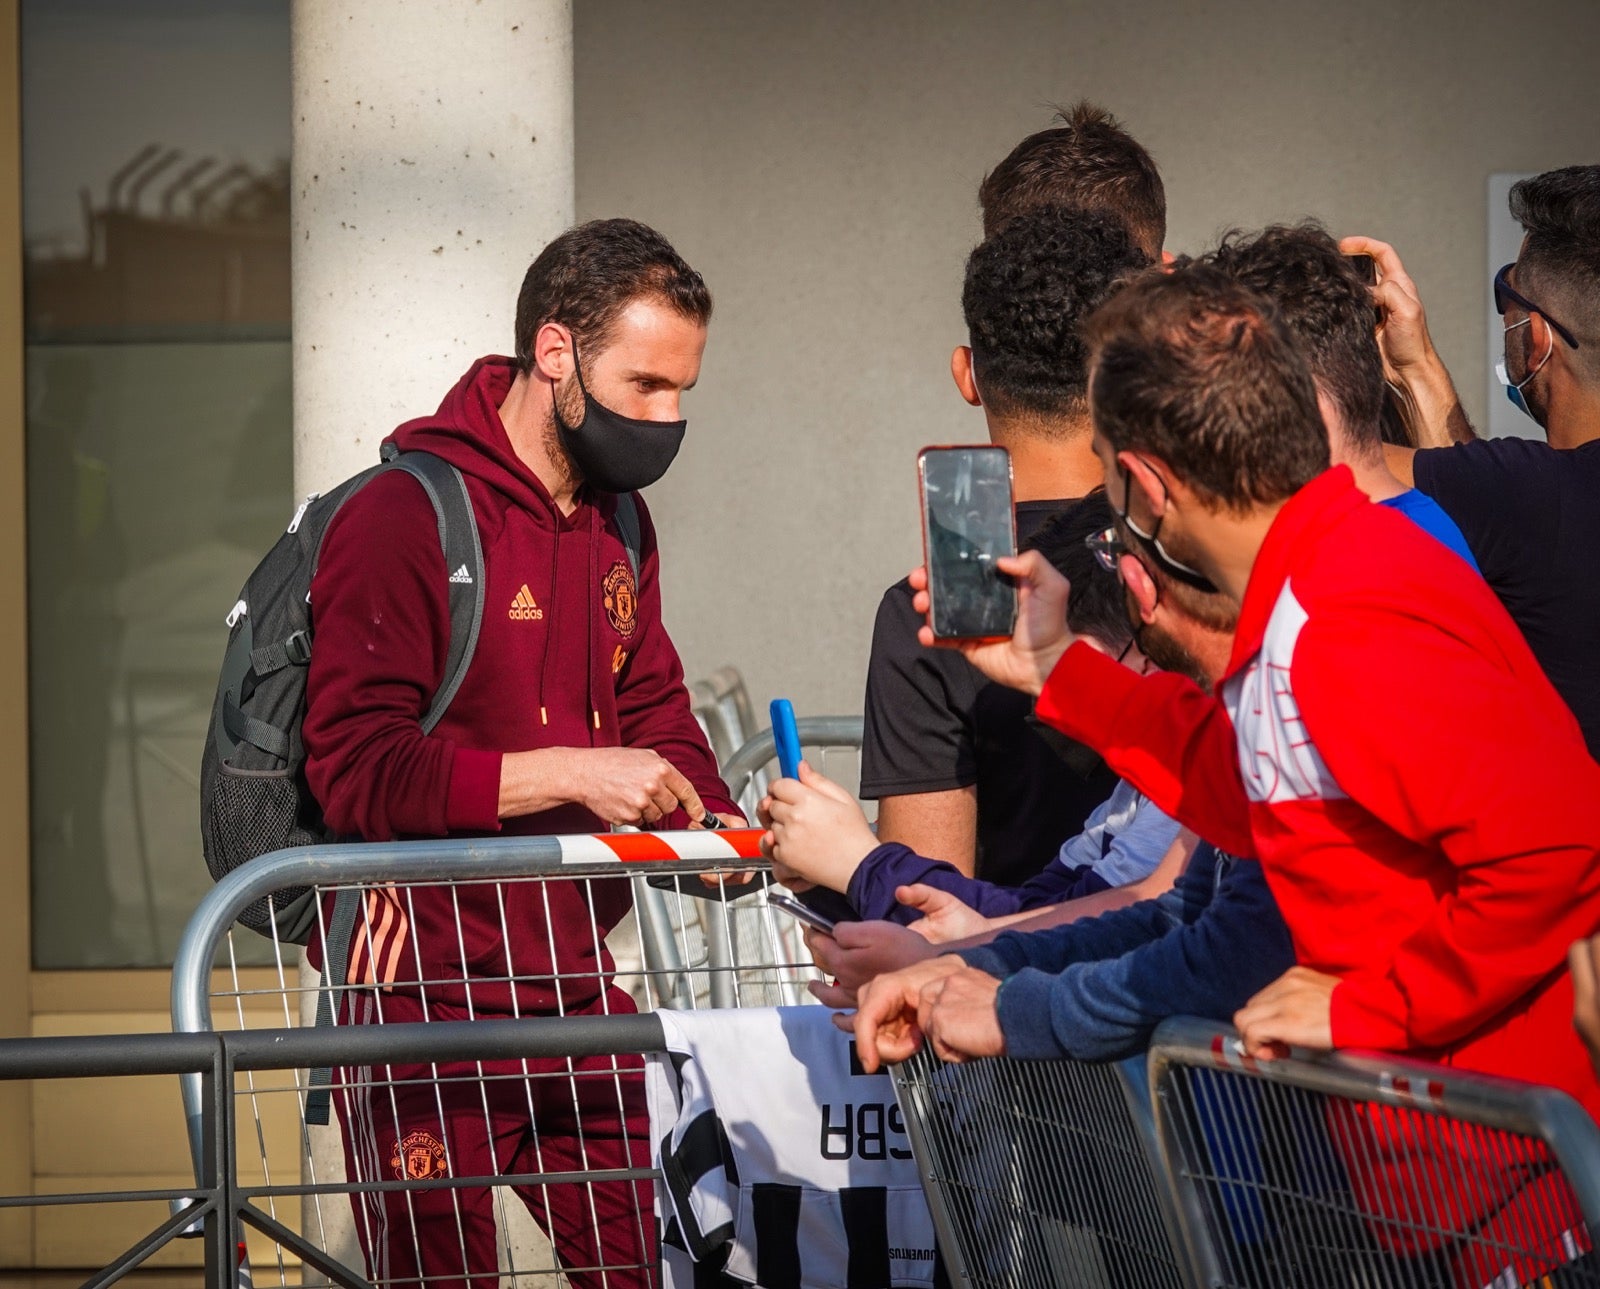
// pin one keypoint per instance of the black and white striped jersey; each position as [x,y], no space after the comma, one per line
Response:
[783,1164]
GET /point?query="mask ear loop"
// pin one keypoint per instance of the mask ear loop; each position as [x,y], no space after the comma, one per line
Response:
[1139,623]
[1549,353]
[1152,540]
[577,367]
[577,370]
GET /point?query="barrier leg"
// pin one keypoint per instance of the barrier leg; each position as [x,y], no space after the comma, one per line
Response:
[216,1136]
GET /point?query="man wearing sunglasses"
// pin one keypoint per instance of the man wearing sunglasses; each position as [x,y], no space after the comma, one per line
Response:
[1529,510]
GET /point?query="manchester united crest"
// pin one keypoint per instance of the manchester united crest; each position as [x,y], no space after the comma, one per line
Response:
[419,1158]
[621,598]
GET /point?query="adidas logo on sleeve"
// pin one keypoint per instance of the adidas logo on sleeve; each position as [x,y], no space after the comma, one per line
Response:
[524,608]
[461,575]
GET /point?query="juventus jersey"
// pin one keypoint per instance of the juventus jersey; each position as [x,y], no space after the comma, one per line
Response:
[783,1164]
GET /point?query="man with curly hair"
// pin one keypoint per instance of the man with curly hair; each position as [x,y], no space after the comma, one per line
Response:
[960,773]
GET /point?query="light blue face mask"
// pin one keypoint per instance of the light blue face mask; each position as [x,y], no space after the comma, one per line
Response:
[1514,391]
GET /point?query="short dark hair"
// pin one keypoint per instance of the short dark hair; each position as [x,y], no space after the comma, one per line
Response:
[586,277]
[1199,371]
[1088,160]
[1560,262]
[1328,308]
[1028,289]
[1095,606]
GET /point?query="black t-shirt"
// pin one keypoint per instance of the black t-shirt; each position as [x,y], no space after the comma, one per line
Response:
[1531,514]
[934,723]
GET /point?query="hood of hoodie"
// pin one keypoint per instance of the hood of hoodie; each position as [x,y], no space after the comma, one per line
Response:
[467,432]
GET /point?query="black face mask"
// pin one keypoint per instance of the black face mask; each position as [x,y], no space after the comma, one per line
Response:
[1151,542]
[616,453]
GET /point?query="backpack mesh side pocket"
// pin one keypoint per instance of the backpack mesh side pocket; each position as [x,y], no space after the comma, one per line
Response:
[254,812]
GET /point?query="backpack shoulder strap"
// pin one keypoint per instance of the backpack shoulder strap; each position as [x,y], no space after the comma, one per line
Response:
[463,557]
[628,525]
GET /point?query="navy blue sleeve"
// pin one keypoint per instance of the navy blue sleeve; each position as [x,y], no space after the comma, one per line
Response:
[1207,966]
[891,865]
[1109,935]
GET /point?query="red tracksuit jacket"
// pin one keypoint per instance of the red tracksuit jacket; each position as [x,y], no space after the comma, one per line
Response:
[572,653]
[1420,798]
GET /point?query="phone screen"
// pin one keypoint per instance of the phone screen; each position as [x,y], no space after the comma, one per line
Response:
[967,524]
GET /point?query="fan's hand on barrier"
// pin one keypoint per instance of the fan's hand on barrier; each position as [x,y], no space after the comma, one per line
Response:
[1295,1010]
[885,1020]
[816,830]
[959,1015]
[858,951]
[944,917]
[1040,637]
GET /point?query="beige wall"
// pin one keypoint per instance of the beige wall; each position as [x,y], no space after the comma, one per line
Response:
[819,162]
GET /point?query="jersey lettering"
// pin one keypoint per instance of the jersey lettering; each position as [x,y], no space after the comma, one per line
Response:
[871,1131]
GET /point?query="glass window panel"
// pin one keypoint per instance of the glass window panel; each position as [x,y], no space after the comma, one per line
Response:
[155,217]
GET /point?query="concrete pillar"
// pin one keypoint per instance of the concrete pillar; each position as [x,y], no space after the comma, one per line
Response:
[432,160]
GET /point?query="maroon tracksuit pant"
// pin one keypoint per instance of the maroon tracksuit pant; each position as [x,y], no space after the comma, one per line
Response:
[426,1122]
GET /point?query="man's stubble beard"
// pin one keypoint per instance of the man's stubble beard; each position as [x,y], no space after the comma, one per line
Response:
[570,399]
[1162,648]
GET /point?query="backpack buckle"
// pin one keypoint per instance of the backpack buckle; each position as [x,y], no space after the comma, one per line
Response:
[297,648]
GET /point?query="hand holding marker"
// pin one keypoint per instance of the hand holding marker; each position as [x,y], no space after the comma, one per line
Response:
[827,905]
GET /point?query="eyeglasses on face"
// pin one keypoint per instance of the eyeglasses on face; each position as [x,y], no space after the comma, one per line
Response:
[1505,294]
[1107,548]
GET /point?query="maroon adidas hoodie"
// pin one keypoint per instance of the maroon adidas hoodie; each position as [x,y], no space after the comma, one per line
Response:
[571,653]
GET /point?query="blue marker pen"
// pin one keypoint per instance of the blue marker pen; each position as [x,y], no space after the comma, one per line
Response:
[786,737]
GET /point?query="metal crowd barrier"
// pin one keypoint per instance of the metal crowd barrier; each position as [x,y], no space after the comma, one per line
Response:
[1041,1174]
[1368,1171]
[219,1206]
[408,1111]
[721,704]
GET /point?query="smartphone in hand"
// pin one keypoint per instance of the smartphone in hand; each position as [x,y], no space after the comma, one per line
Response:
[799,912]
[967,524]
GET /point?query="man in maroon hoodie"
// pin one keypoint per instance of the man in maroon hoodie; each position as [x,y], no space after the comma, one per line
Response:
[573,716]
